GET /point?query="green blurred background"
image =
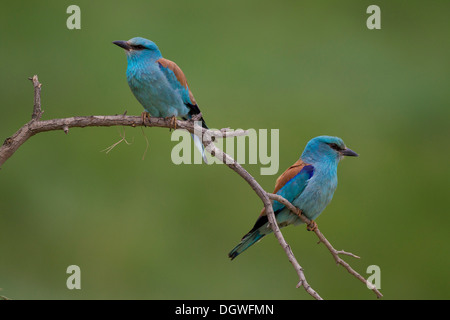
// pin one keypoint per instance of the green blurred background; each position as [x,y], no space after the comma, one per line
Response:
[149,229]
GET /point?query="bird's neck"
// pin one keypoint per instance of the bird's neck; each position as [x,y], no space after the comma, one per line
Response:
[143,59]
[322,163]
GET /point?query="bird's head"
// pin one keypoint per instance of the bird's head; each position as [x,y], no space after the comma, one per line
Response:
[139,47]
[326,149]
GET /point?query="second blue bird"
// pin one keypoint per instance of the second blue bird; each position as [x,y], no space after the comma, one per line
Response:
[309,184]
[159,84]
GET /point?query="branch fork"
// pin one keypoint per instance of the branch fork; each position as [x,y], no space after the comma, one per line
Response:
[36,125]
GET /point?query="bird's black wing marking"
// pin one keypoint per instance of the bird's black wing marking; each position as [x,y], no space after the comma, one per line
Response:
[193,110]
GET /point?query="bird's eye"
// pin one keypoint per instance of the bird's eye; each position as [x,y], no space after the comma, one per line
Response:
[139,47]
[334,146]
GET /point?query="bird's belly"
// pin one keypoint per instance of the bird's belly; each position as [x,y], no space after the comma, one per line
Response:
[315,198]
[156,95]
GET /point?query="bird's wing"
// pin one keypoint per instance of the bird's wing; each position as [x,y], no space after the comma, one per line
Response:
[292,182]
[177,79]
[291,172]
[289,185]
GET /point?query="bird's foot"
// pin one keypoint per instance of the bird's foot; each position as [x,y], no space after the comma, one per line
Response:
[145,116]
[312,226]
[173,122]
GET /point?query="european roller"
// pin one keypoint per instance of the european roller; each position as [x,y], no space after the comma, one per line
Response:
[159,84]
[309,184]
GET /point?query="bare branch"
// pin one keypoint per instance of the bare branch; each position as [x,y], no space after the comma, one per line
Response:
[335,253]
[37,111]
[264,196]
[35,126]
[11,144]
[3,297]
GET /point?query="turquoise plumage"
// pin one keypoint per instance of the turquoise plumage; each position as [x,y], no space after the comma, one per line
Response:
[159,84]
[309,184]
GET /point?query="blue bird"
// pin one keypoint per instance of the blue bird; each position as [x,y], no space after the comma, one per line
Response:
[159,84]
[309,184]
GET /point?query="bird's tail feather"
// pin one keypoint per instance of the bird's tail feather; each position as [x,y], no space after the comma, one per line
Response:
[199,145]
[194,110]
[197,140]
[249,239]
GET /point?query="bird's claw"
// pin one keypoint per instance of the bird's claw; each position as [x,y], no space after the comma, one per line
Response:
[145,116]
[312,226]
[173,123]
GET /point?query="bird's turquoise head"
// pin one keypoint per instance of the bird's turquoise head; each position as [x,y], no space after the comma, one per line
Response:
[326,149]
[139,48]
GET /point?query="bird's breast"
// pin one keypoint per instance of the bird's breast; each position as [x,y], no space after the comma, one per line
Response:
[143,78]
[152,89]
[318,193]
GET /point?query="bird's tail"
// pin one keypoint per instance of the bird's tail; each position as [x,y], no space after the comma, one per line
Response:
[199,145]
[249,239]
[194,110]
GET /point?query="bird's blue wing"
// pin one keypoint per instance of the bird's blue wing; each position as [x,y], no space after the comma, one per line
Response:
[177,80]
[289,185]
[294,184]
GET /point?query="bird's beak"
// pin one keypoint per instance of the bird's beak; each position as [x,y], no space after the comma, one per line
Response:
[122,44]
[349,153]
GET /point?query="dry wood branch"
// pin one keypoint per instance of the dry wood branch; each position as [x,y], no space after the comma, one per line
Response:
[263,195]
[37,111]
[335,253]
[3,297]
[35,126]
[11,144]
